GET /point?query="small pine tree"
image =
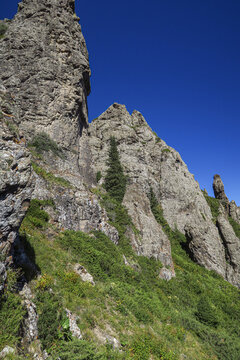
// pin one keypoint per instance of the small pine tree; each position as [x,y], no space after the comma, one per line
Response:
[115,180]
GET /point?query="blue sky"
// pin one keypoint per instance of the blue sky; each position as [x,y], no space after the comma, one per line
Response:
[176,61]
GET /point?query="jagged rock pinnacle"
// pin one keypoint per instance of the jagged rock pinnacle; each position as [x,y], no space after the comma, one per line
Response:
[219,192]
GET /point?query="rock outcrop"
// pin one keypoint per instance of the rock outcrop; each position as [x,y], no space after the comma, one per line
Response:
[234,211]
[219,191]
[149,162]
[15,181]
[46,69]
[232,248]
[44,64]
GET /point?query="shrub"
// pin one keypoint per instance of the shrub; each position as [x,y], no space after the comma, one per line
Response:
[49,318]
[35,215]
[98,176]
[205,312]
[42,142]
[115,180]
[3,29]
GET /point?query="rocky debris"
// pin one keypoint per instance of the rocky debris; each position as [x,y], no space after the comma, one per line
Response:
[219,192]
[75,208]
[166,274]
[232,248]
[105,338]
[30,322]
[149,240]
[6,351]
[73,324]
[149,162]
[15,180]
[30,326]
[83,273]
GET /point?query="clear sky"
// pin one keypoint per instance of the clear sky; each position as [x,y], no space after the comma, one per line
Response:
[177,62]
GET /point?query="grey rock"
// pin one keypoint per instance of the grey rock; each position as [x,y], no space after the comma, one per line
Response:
[16,181]
[30,328]
[165,274]
[76,208]
[44,65]
[234,211]
[73,324]
[219,192]
[106,338]
[6,351]
[232,248]
[83,273]
[148,161]
[150,240]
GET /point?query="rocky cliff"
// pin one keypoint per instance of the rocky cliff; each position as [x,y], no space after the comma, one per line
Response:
[149,162]
[16,183]
[54,161]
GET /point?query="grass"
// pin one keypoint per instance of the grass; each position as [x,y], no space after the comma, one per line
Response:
[149,316]
[11,313]
[235,226]
[49,177]
[214,206]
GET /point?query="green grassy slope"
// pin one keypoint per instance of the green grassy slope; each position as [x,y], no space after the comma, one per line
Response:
[195,315]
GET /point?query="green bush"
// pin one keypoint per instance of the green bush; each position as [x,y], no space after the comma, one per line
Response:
[205,312]
[50,318]
[98,176]
[3,29]
[36,215]
[115,180]
[43,143]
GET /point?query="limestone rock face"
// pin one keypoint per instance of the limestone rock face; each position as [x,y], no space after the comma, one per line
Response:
[44,64]
[148,161]
[232,248]
[150,240]
[234,211]
[15,181]
[219,192]
[75,208]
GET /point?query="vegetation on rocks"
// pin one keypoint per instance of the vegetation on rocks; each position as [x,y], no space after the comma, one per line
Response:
[235,226]
[214,206]
[43,143]
[3,29]
[49,177]
[195,314]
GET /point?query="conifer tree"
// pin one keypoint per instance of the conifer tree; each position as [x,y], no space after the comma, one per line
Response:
[115,180]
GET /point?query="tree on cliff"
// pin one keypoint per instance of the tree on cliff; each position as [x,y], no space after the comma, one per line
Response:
[115,180]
